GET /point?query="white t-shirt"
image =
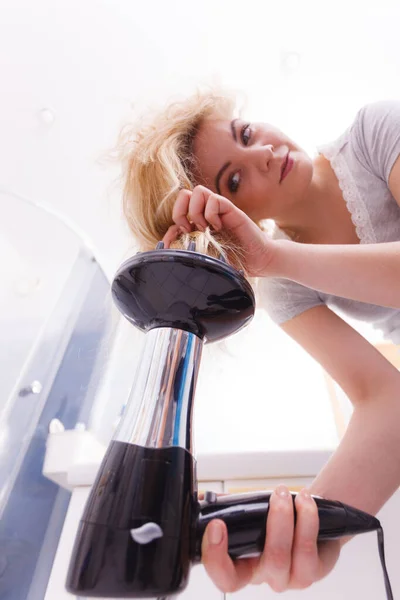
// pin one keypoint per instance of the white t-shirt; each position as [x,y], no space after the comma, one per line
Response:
[362,159]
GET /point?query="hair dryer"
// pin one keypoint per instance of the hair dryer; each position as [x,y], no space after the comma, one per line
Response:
[143,523]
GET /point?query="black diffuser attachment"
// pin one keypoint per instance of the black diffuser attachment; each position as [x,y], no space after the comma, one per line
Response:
[183,290]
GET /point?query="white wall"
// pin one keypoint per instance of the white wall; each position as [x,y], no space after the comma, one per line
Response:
[88,60]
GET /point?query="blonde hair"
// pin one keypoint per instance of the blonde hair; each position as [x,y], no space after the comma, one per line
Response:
[157,161]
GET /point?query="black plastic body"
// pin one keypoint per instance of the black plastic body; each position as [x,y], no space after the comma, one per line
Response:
[245,516]
[138,485]
[134,486]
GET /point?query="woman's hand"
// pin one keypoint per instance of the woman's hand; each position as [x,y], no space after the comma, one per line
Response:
[291,558]
[202,208]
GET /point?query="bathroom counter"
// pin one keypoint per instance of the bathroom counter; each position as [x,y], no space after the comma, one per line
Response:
[210,467]
[73,458]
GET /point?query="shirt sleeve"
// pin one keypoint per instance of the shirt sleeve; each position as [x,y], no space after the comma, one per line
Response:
[377,133]
[283,299]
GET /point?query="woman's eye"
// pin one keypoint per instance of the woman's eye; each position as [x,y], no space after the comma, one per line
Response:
[246,134]
[234,181]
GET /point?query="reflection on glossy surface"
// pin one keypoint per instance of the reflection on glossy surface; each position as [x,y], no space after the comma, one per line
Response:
[184,290]
[159,410]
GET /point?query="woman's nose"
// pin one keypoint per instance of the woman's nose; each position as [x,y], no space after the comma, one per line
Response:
[262,155]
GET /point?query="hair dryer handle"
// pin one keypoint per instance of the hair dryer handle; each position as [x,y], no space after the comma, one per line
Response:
[245,516]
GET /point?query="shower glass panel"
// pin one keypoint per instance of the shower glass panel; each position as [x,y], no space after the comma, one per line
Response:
[55,333]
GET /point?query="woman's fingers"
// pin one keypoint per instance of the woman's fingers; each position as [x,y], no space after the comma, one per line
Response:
[197,204]
[200,208]
[181,210]
[189,208]
[173,232]
[227,575]
[275,562]
[305,560]
[203,208]
[291,558]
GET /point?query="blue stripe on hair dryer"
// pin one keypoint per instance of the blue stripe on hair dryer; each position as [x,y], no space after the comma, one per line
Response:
[143,523]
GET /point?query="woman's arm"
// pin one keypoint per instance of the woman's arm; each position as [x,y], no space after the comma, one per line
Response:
[363,472]
[365,469]
[367,273]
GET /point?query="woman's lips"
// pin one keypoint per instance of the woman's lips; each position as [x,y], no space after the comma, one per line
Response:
[287,166]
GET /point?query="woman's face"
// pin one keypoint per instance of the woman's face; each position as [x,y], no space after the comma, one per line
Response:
[254,165]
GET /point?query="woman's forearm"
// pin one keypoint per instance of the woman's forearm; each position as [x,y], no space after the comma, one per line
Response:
[367,273]
[364,471]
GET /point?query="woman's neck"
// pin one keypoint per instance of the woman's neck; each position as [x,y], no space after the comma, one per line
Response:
[323,217]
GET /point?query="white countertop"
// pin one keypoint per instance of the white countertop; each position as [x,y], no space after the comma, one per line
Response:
[80,469]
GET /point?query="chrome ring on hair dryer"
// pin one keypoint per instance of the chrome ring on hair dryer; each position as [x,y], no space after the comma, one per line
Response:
[143,524]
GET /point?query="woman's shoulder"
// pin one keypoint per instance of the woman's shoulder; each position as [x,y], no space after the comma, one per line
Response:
[376,133]
[373,138]
[374,114]
[375,121]
[372,122]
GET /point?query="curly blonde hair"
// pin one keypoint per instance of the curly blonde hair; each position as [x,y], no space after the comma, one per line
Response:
[156,156]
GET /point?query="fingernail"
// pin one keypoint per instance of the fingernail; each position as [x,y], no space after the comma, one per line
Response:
[215,534]
[304,493]
[200,228]
[282,491]
[183,230]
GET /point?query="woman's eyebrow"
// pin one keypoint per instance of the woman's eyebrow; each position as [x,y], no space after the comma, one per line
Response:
[218,177]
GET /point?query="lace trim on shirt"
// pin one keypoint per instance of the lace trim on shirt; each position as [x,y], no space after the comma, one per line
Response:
[355,204]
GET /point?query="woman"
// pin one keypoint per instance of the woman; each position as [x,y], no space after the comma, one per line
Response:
[196,171]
